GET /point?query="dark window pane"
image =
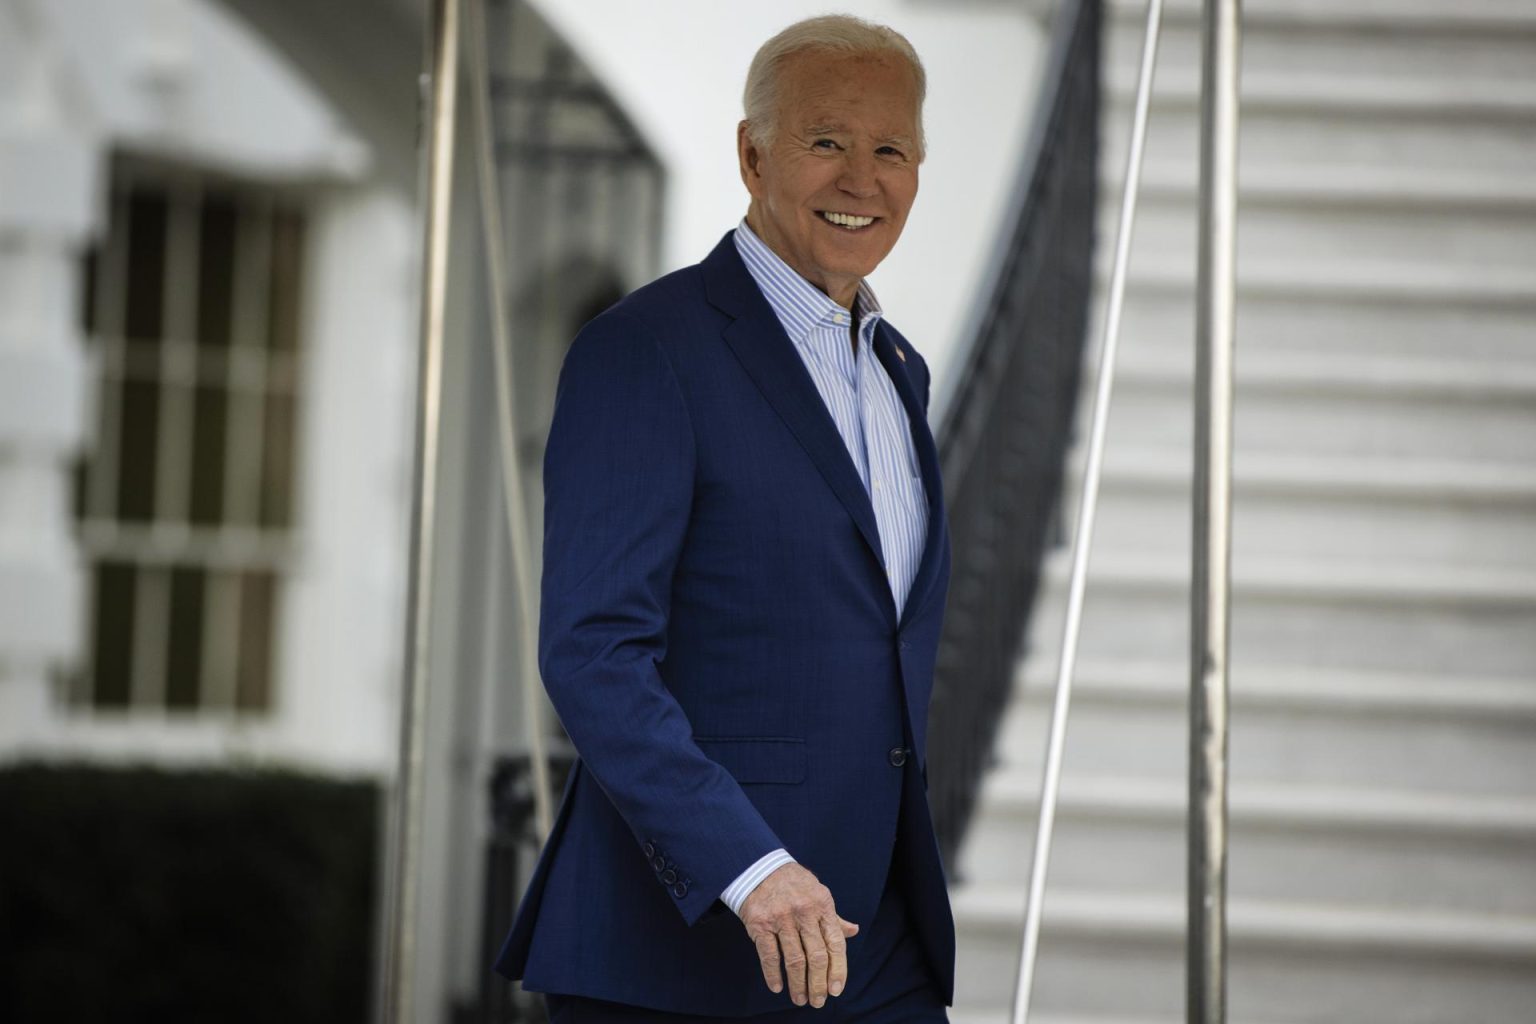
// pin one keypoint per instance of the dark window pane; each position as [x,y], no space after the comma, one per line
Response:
[146,264]
[243,473]
[80,481]
[287,270]
[138,429]
[210,425]
[184,645]
[113,654]
[277,469]
[253,679]
[217,274]
[88,315]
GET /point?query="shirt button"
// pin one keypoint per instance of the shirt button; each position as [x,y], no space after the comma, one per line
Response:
[898,756]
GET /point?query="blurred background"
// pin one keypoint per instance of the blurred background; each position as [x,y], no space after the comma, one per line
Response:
[209,275]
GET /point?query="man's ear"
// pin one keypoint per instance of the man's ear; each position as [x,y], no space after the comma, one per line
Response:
[747,156]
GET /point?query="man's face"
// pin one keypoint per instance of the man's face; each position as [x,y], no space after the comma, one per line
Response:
[846,145]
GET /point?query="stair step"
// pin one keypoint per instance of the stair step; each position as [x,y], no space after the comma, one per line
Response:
[1263,92]
[1397,480]
[1418,286]
[1277,49]
[1310,736]
[1331,417]
[1337,121]
[1294,309]
[1315,845]
[1400,17]
[1405,190]
[1333,613]
[1278,688]
[1417,511]
[1110,953]
[1167,230]
[1353,376]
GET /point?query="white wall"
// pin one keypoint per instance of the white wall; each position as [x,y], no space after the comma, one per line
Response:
[678,67]
[183,79]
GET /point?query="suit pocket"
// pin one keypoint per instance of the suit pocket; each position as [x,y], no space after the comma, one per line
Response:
[757,758]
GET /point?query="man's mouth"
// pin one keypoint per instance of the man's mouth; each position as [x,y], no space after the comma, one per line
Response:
[847,221]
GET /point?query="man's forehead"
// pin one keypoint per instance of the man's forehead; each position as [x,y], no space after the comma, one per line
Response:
[832,125]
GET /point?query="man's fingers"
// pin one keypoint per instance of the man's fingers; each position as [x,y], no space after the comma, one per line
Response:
[849,928]
[768,958]
[837,950]
[818,961]
[794,963]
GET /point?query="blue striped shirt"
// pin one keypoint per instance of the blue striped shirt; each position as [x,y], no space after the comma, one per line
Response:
[869,417]
[861,398]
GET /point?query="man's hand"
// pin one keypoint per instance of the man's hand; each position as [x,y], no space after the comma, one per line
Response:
[792,912]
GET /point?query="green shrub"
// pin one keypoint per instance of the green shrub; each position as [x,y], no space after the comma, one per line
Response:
[146,895]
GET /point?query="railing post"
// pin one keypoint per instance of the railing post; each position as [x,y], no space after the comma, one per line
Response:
[513,492]
[1215,322]
[1082,541]
[403,855]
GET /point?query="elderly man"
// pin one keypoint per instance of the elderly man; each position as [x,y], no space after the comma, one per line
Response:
[745,566]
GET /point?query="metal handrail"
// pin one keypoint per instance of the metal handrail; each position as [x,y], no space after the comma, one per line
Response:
[400,897]
[1211,569]
[1083,536]
[512,491]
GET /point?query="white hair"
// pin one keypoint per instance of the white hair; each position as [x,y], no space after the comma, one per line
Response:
[841,33]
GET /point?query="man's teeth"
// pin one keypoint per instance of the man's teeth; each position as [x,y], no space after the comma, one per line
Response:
[848,220]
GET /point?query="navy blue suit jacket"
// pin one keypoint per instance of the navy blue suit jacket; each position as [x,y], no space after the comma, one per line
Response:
[719,639]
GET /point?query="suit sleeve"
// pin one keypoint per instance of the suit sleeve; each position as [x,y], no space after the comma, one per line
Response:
[618,489]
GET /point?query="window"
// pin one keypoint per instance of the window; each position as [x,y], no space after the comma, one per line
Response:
[184,505]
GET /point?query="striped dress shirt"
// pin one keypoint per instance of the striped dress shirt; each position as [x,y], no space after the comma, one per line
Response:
[869,417]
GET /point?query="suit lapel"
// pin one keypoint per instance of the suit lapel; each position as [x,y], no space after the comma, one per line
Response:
[928,463]
[769,357]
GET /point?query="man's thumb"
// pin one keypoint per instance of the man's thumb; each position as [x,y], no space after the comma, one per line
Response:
[849,928]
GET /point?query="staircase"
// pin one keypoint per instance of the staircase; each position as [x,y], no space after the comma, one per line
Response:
[1383,749]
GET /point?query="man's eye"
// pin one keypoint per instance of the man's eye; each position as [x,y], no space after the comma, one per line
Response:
[825,142]
[890,151]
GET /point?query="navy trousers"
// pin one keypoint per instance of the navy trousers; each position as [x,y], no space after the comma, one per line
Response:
[889,982]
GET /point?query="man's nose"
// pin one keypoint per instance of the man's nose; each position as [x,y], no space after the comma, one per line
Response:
[858,177]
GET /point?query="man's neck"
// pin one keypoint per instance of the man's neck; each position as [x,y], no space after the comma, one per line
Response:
[849,291]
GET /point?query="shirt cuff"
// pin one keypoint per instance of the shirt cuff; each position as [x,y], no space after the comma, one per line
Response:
[737,892]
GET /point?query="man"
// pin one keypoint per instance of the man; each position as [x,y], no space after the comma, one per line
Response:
[745,566]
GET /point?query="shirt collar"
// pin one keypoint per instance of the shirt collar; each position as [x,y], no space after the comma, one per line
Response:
[799,305]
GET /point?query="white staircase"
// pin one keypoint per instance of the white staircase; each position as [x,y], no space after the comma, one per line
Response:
[1383,852]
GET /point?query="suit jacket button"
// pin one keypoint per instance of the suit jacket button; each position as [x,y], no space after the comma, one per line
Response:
[898,756]
[680,890]
[650,850]
[669,876]
[658,862]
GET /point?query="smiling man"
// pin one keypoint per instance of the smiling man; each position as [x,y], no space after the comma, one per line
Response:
[745,569]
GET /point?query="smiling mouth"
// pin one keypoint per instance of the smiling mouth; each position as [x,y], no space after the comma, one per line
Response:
[847,221]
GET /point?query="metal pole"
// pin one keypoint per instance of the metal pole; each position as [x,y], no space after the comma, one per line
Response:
[1082,543]
[405,834]
[506,420]
[1206,960]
